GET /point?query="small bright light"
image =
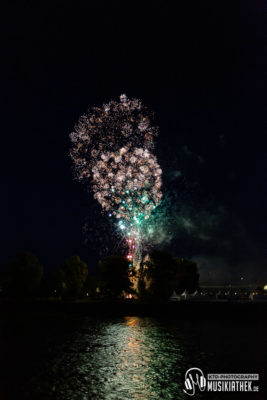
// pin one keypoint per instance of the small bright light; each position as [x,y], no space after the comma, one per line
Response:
[265,287]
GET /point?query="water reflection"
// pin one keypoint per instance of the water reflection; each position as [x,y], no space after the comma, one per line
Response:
[135,361]
[129,358]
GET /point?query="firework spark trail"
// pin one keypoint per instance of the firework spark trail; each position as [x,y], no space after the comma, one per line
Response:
[111,149]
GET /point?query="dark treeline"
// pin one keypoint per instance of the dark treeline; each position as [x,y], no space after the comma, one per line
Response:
[157,276]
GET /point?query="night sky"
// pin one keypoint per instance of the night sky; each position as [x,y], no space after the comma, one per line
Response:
[199,67]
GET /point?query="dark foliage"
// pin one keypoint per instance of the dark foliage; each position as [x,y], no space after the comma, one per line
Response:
[23,275]
[71,276]
[164,274]
[114,273]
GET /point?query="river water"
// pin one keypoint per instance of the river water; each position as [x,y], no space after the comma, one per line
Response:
[132,358]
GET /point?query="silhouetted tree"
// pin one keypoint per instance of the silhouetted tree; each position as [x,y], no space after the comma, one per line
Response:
[114,272]
[71,276]
[141,287]
[91,284]
[23,275]
[54,284]
[186,275]
[158,271]
[163,274]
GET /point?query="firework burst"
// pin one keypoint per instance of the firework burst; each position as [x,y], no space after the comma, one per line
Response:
[112,150]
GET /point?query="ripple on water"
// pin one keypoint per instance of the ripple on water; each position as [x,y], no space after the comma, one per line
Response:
[125,358]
